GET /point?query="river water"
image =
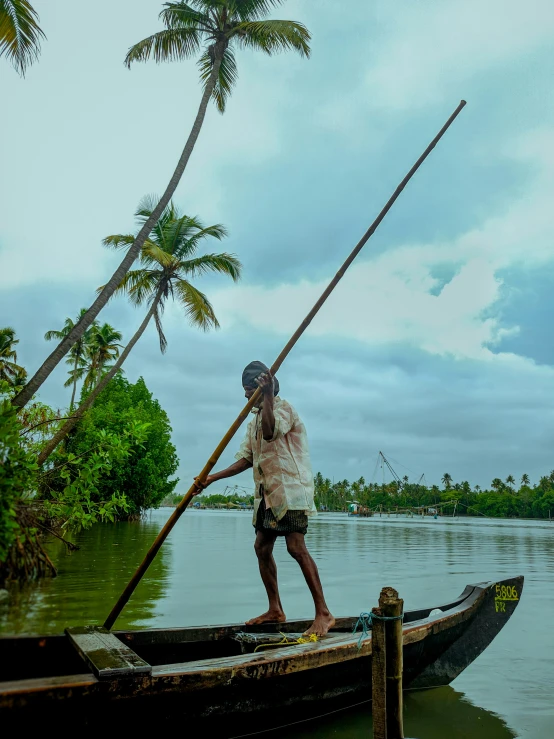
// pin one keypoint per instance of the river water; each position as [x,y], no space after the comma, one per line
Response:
[206,573]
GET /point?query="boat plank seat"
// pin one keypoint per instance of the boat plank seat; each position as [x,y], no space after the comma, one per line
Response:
[339,642]
[105,654]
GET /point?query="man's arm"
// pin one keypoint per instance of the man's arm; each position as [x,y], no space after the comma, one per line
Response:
[235,469]
[265,382]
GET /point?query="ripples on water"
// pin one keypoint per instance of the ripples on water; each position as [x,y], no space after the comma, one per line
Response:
[206,573]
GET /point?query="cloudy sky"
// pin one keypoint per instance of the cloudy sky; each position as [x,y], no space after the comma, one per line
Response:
[436,348]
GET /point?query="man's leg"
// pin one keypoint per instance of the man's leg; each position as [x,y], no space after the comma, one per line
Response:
[263,546]
[296,546]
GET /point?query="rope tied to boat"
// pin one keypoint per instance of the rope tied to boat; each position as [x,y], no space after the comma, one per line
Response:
[286,640]
[366,619]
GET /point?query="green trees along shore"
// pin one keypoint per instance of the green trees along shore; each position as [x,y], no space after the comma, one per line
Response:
[503,500]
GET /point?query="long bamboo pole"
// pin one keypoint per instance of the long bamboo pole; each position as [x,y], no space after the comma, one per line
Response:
[180,508]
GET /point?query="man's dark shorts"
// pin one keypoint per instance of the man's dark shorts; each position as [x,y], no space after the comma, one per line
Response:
[293,522]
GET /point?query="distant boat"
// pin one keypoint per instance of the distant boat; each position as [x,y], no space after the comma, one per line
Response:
[357,509]
[233,677]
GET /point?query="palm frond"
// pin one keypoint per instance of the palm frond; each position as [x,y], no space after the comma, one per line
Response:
[79,358]
[152,253]
[20,379]
[182,15]
[173,44]
[119,241]
[7,344]
[243,9]
[9,334]
[253,9]
[146,207]
[104,342]
[144,287]
[75,375]
[9,369]
[138,284]
[272,36]
[159,235]
[226,264]
[49,335]
[184,233]
[226,79]
[209,5]
[197,306]
[189,246]
[20,34]
[159,328]
[185,226]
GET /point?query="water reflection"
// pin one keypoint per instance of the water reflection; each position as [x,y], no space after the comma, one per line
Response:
[90,581]
[433,714]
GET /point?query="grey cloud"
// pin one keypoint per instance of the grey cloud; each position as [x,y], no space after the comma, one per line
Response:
[474,420]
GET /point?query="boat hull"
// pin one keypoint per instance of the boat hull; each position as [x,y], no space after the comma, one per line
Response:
[217,676]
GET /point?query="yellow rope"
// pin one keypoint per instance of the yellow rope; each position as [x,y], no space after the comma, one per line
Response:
[286,640]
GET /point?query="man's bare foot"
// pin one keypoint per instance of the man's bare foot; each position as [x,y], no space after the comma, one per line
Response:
[269,617]
[323,622]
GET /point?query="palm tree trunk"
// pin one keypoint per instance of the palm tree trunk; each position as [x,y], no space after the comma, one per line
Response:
[93,371]
[66,428]
[74,384]
[22,398]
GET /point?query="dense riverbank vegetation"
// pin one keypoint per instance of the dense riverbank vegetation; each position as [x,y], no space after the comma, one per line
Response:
[503,500]
[117,462]
[89,479]
[146,477]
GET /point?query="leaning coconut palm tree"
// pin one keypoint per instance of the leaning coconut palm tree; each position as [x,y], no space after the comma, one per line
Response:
[79,370]
[212,29]
[20,34]
[102,348]
[9,369]
[169,261]
[78,350]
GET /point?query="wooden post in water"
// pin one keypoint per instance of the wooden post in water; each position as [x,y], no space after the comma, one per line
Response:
[387,646]
[378,676]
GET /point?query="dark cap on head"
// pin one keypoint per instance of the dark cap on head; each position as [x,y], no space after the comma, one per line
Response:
[252,371]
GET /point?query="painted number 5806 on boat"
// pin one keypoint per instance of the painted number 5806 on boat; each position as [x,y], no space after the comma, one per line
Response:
[504,593]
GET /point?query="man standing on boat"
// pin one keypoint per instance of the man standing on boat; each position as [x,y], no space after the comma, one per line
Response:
[276,447]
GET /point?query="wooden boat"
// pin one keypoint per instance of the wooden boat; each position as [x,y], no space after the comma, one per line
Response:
[232,677]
